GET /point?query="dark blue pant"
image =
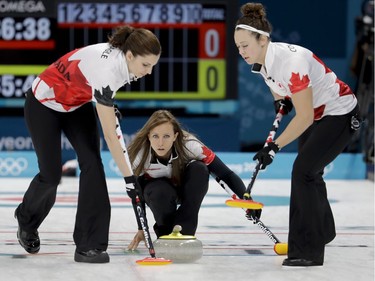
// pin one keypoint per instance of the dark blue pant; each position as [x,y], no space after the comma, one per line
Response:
[81,129]
[311,222]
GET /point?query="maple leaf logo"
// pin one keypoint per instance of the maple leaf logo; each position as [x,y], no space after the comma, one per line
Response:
[297,84]
[105,97]
[210,155]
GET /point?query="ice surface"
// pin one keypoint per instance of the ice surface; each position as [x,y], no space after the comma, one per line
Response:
[233,247]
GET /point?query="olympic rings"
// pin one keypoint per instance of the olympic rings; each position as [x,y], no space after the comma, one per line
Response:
[12,166]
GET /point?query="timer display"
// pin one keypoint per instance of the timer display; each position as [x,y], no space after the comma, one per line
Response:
[25,29]
[15,86]
[16,80]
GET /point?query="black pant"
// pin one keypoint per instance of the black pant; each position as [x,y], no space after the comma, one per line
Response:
[163,197]
[81,129]
[311,222]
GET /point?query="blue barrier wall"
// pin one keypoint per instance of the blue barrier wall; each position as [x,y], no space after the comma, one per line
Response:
[213,132]
[346,166]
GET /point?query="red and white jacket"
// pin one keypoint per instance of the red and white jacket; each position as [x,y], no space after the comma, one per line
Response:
[292,68]
[92,73]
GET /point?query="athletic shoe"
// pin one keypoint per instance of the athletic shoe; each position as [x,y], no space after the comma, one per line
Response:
[92,256]
[28,240]
[301,262]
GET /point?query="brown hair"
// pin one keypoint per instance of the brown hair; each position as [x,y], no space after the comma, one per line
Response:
[141,141]
[254,15]
[139,41]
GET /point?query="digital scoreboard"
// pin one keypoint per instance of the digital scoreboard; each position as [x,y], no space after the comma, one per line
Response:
[198,60]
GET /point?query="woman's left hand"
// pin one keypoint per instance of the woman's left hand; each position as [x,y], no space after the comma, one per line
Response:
[138,237]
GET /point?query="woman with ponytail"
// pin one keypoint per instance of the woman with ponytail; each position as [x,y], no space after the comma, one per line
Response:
[326,116]
[61,100]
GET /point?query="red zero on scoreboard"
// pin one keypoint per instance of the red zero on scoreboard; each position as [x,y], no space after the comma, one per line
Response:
[212,40]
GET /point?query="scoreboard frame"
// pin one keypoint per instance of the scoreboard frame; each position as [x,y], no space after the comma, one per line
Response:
[31,40]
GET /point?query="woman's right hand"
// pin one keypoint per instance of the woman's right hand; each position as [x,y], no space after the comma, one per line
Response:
[138,237]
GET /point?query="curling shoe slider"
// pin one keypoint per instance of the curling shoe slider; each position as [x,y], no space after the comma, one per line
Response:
[301,262]
[28,240]
[92,256]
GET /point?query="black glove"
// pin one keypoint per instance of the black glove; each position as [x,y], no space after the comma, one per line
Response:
[266,154]
[253,215]
[286,103]
[132,187]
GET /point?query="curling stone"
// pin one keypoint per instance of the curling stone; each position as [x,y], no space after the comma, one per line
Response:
[179,248]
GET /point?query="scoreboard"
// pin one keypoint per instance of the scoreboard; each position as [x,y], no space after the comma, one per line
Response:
[198,60]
